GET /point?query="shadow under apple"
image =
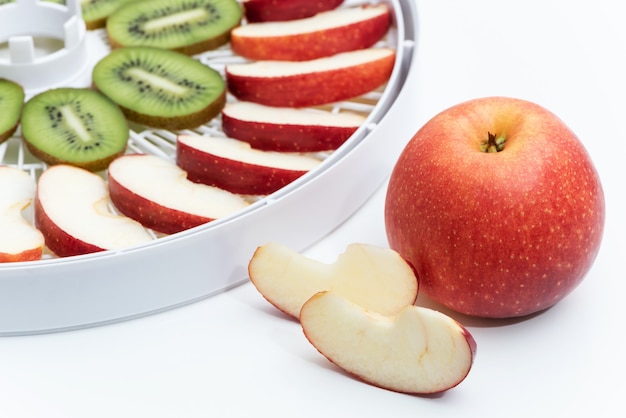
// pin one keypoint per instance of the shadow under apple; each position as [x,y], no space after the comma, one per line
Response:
[474,321]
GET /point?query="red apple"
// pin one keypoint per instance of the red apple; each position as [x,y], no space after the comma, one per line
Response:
[498,206]
[311,83]
[235,166]
[415,350]
[280,10]
[157,193]
[73,213]
[322,35]
[288,129]
[19,239]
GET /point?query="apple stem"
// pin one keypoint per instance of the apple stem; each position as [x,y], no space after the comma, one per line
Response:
[494,143]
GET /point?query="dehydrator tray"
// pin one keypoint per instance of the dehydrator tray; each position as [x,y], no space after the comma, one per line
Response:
[56,294]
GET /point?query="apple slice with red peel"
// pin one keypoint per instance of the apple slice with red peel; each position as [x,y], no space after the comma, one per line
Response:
[324,34]
[19,239]
[235,166]
[157,193]
[416,351]
[272,10]
[288,129]
[310,83]
[72,210]
[374,277]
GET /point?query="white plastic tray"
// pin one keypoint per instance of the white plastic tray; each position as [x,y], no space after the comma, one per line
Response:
[57,294]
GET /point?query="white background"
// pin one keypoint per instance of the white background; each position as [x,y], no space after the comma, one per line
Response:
[233,355]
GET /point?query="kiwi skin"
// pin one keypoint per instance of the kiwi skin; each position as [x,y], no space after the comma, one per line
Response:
[189,49]
[18,90]
[193,49]
[190,121]
[93,166]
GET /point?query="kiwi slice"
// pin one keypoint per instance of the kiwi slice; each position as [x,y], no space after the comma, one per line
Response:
[11,102]
[96,12]
[160,88]
[76,126]
[187,26]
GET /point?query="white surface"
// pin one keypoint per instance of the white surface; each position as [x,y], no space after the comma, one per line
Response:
[233,356]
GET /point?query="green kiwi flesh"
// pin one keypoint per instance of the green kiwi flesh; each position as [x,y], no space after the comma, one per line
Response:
[160,88]
[96,12]
[75,126]
[11,102]
[187,26]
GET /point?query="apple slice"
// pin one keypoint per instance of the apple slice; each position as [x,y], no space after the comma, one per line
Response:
[416,351]
[157,193]
[322,35]
[72,211]
[311,83]
[374,277]
[272,10]
[288,129]
[19,239]
[235,166]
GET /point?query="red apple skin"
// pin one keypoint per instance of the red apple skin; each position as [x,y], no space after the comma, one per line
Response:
[501,234]
[230,175]
[150,214]
[312,89]
[312,45]
[470,341]
[277,10]
[26,255]
[286,138]
[57,240]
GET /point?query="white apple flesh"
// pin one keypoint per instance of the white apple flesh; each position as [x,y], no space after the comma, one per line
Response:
[234,166]
[374,277]
[157,193]
[416,350]
[19,239]
[310,83]
[288,129]
[72,210]
[324,34]
[498,206]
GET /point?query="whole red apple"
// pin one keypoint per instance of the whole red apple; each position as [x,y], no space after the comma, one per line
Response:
[498,206]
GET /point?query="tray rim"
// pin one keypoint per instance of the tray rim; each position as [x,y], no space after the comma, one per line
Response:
[20,278]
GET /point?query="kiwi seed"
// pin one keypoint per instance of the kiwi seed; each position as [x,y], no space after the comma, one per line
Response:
[186,26]
[160,88]
[75,126]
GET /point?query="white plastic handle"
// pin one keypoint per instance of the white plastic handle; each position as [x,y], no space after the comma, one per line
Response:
[24,21]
